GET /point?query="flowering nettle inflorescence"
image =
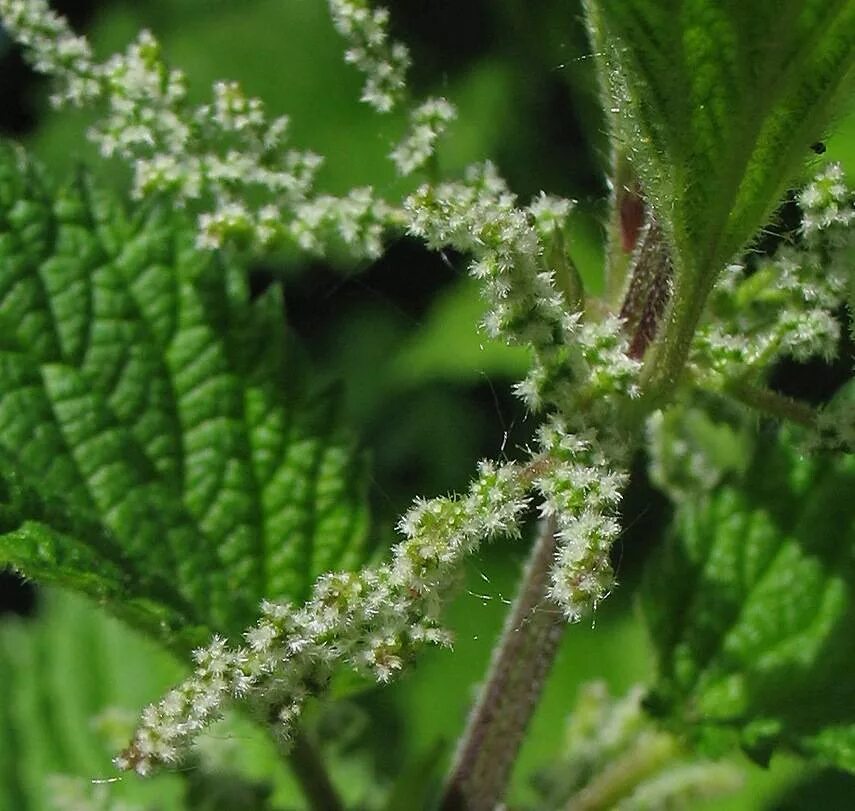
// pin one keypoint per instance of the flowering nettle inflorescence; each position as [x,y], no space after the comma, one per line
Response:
[428,122]
[55,50]
[581,490]
[226,159]
[384,63]
[790,304]
[479,216]
[828,204]
[575,360]
[370,49]
[374,620]
[229,161]
[371,621]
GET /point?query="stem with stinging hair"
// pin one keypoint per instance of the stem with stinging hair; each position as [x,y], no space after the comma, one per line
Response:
[521,663]
[770,402]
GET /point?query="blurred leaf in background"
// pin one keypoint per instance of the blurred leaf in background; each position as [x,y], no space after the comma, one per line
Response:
[73,682]
[751,605]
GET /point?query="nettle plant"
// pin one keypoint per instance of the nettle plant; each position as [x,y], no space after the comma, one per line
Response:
[165,454]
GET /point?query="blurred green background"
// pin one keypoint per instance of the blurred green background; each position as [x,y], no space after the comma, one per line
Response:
[425,390]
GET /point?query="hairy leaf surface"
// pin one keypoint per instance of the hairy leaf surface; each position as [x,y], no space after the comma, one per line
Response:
[160,448]
[716,104]
[752,608]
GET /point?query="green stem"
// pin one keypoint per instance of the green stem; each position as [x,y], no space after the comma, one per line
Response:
[521,663]
[772,403]
[308,767]
[647,756]
[670,351]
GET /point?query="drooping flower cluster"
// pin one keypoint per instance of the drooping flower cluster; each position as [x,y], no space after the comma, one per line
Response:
[586,375]
[428,122]
[383,61]
[828,204]
[230,162]
[582,491]
[576,360]
[479,217]
[226,160]
[357,221]
[789,305]
[55,50]
[374,620]
[371,621]
[146,104]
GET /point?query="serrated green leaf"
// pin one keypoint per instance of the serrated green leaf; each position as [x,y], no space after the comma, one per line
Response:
[716,104]
[751,606]
[160,447]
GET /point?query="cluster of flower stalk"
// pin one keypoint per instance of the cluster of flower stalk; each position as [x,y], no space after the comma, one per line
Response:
[374,620]
[217,157]
[222,153]
[789,305]
[226,160]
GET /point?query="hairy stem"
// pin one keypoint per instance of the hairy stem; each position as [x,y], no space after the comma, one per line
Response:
[648,291]
[772,403]
[308,767]
[521,662]
[671,349]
